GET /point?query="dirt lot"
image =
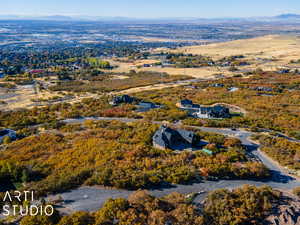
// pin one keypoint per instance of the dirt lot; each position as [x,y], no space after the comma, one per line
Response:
[21,97]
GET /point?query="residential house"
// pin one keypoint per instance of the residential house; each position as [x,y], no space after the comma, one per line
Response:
[213,112]
[122,99]
[207,151]
[283,71]
[187,104]
[266,89]
[191,87]
[7,133]
[175,139]
[210,112]
[146,106]
[217,85]
[233,89]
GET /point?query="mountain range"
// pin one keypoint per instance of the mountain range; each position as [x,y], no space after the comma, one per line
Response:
[282,17]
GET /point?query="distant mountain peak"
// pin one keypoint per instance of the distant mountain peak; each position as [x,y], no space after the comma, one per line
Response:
[288,16]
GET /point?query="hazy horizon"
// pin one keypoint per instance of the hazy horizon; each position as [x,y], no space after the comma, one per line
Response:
[150,10]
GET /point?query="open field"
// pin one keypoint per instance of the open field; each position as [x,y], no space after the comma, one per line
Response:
[155,39]
[275,50]
[204,72]
[270,45]
[268,52]
[21,96]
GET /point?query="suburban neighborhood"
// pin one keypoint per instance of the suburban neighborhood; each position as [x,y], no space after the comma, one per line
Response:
[149,113]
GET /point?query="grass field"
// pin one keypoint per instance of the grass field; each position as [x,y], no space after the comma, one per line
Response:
[268,52]
[282,48]
[205,72]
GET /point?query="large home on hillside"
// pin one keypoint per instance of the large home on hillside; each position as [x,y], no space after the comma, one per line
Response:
[122,99]
[175,139]
[146,106]
[141,106]
[187,104]
[265,89]
[217,85]
[209,112]
[214,112]
[7,133]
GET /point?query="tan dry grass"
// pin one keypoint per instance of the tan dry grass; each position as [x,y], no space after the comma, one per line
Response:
[271,45]
[205,72]
[282,48]
[22,98]
[277,50]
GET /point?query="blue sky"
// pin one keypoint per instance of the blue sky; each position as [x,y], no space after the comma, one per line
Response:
[151,8]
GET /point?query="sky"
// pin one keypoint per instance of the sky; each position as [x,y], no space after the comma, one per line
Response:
[151,8]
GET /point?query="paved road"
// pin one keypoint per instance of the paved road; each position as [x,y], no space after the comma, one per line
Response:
[92,198]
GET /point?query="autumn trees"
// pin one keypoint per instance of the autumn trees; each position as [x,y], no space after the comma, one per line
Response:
[142,208]
[107,82]
[284,151]
[244,205]
[78,218]
[121,155]
[13,172]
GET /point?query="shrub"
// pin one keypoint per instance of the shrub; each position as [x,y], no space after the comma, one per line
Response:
[245,205]
[296,191]
[6,140]
[78,218]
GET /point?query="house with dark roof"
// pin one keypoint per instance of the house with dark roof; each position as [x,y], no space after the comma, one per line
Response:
[233,89]
[146,106]
[209,112]
[122,99]
[175,139]
[187,104]
[213,112]
[261,88]
[7,133]
[283,71]
[217,85]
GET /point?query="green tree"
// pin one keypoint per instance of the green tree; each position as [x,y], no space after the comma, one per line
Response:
[36,220]
[110,210]
[6,140]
